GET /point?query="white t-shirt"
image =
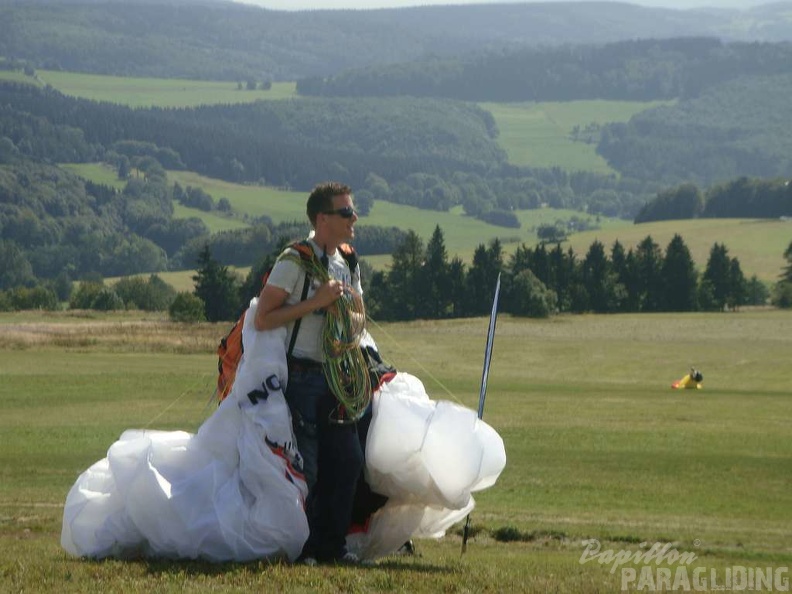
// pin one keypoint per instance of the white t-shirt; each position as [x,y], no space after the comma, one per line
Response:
[290,276]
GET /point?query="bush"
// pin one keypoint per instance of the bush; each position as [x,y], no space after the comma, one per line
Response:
[85,295]
[107,300]
[33,298]
[530,297]
[186,307]
[151,295]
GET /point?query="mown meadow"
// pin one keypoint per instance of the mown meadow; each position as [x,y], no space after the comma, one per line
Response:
[598,446]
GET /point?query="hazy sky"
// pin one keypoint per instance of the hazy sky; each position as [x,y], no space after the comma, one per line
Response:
[308,4]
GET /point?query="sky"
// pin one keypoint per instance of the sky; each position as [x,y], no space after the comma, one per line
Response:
[368,4]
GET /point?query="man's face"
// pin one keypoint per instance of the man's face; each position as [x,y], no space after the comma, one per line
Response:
[341,221]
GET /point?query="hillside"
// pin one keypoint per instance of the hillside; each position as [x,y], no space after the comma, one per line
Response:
[230,41]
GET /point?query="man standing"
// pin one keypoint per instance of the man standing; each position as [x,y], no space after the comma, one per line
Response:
[326,437]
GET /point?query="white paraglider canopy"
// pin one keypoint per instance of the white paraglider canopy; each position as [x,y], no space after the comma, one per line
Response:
[235,491]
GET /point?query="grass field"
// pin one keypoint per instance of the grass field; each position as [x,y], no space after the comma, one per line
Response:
[158,92]
[598,446]
[538,134]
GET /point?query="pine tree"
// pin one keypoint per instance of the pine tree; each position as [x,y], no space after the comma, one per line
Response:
[401,302]
[216,287]
[786,275]
[649,263]
[679,277]
[717,277]
[435,297]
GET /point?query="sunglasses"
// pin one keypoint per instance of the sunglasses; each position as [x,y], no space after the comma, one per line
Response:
[347,212]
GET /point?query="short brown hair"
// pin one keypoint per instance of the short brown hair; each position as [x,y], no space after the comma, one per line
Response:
[321,198]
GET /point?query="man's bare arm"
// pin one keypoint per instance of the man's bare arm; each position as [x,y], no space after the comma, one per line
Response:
[272,311]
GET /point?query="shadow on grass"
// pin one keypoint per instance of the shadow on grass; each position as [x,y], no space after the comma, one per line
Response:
[187,567]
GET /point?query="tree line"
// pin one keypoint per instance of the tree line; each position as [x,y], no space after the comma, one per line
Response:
[739,198]
[635,70]
[231,41]
[542,280]
[423,283]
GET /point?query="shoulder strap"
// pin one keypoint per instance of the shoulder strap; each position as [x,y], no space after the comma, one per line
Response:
[306,253]
[296,328]
[350,255]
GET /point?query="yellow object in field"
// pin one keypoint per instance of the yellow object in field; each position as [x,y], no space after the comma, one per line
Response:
[692,381]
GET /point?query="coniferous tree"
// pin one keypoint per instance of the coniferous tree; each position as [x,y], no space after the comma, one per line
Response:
[679,277]
[216,287]
[435,297]
[597,277]
[400,302]
[786,275]
[738,289]
[649,263]
[782,292]
[481,278]
[620,270]
[717,276]
[456,286]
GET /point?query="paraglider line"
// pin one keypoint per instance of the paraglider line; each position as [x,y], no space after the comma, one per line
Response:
[416,361]
[176,401]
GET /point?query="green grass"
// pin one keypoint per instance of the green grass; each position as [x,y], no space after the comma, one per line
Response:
[598,445]
[462,233]
[17,76]
[99,173]
[158,92]
[538,134]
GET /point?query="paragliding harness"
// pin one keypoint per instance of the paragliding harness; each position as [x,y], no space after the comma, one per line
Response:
[230,349]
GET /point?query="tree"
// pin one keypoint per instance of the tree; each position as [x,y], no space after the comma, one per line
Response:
[598,279]
[738,289]
[649,263]
[717,275]
[531,297]
[481,278]
[435,297]
[756,292]
[15,269]
[456,286]
[679,277]
[401,298]
[782,292]
[551,233]
[786,275]
[216,287]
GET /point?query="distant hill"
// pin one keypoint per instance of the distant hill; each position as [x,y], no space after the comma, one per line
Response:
[230,41]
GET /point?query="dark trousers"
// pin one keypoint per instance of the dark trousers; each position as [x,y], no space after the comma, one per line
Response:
[338,463]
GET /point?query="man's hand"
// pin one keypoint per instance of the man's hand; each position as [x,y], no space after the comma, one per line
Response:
[328,293]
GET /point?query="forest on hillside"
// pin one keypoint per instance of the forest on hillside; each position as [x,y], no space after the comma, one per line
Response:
[233,41]
[422,152]
[422,141]
[633,70]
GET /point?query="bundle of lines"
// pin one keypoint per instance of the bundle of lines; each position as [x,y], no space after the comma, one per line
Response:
[344,365]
